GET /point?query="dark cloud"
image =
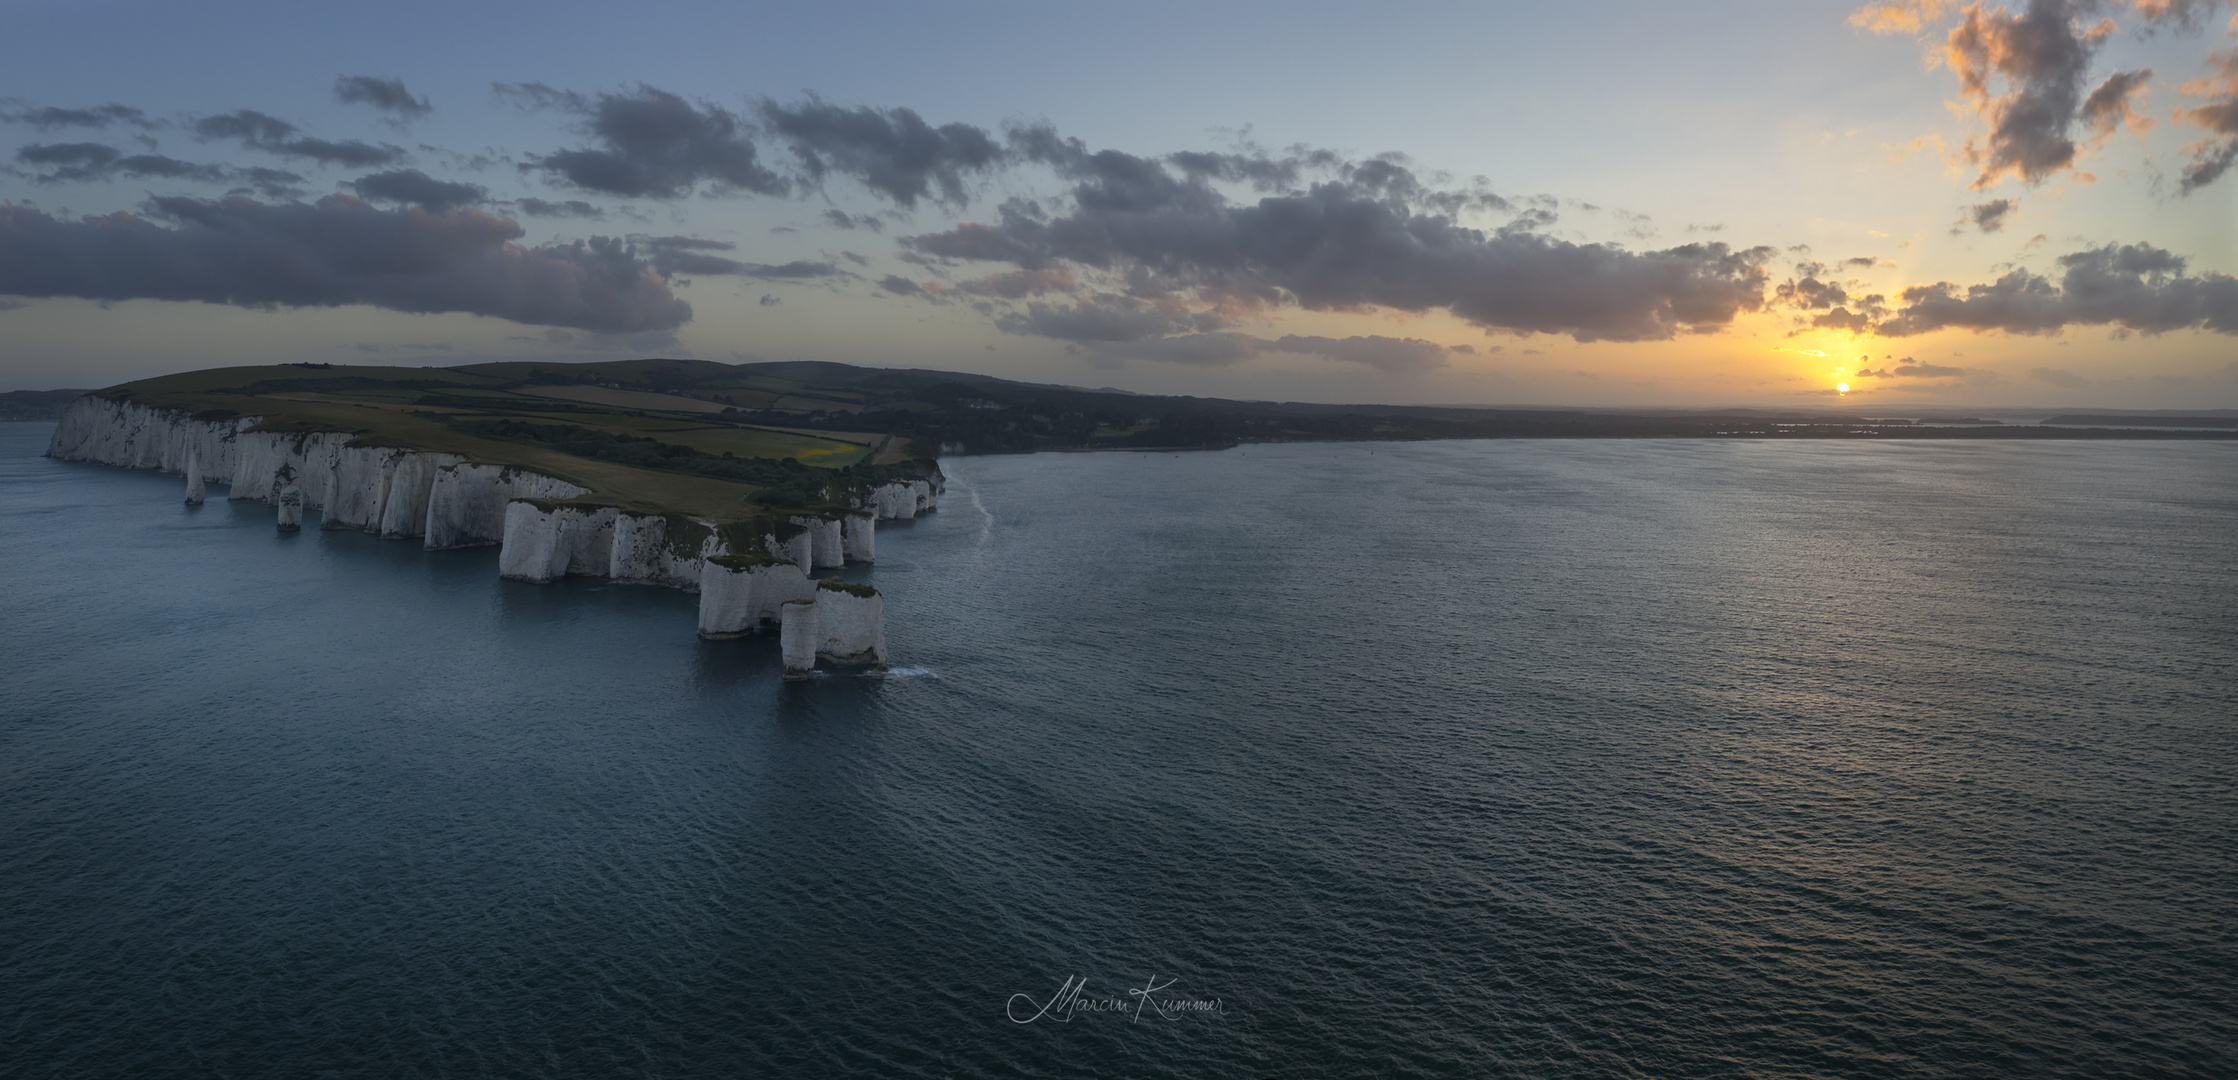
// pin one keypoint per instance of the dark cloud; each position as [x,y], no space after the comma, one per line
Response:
[2113,104]
[572,208]
[652,144]
[272,135]
[387,95]
[2024,73]
[2186,15]
[337,251]
[1262,171]
[2213,155]
[2136,286]
[891,151]
[271,183]
[1374,237]
[900,286]
[1990,216]
[689,255]
[82,162]
[843,219]
[770,300]
[1019,284]
[2043,55]
[1107,318]
[1399,356]
[1861,262]
[100,116]
[685,255]
[418,188]
[1810,288]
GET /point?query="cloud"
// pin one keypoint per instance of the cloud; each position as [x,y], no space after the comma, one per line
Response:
[1395,356]
[1399,356]
[100,116]
[1990,216]
[2024,73]
[418,188]
[77,162]
[891,151]
[272,135]
[339,250]
[843,219]
[1908,368]
[2136,286]
[1810,289]
[386,95]
[2112,105]
[900,286]
[1107,318]
[2187,15]
[688,255]
[651,144]
[770,300]
[81,162]
[2043,55]
[1373,237]
[2212,156]
[1019,284]
[1930,371]
[572,208]
[1899,16]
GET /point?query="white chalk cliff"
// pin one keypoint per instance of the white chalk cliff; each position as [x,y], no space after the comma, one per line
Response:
[542,529]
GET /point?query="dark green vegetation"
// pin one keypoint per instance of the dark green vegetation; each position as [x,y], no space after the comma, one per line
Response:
[646,435]
[834,584]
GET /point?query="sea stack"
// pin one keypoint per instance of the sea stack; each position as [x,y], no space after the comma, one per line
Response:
[850,624]
[194,480]
[797,638]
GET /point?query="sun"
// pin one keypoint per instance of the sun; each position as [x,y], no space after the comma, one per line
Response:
[1842,388]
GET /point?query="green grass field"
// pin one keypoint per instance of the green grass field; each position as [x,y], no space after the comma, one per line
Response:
[420,408]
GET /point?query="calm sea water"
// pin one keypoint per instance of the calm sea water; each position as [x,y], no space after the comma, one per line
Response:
[1537,759]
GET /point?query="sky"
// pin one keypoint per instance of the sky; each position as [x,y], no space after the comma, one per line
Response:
[1888,206]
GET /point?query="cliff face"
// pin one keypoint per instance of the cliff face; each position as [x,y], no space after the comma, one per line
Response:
[543,545]
[850,623]
[448,502]
[739,596]
[386,491]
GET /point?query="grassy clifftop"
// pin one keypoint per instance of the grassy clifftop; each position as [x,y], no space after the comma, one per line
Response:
[653,435]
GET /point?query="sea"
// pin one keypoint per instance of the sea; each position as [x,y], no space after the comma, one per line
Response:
[1653,758]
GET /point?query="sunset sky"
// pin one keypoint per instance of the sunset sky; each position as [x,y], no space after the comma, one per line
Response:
[2022,203]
